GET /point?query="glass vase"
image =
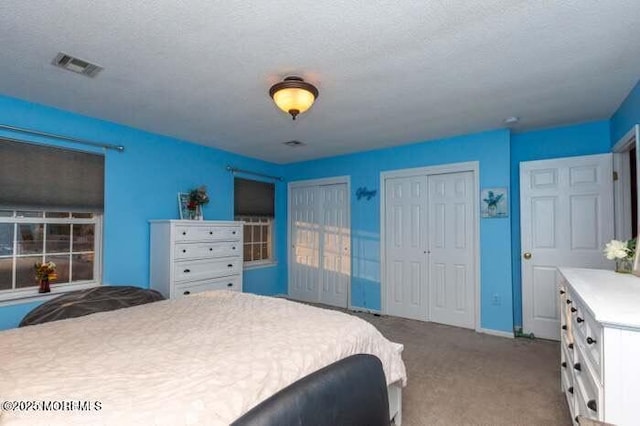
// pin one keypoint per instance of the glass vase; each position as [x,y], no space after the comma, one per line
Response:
[624,266]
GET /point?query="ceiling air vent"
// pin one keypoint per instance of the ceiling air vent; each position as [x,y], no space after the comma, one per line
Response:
[76,65]
[294,143]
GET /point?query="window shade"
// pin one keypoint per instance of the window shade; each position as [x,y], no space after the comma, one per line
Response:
[36,176]
[253,198]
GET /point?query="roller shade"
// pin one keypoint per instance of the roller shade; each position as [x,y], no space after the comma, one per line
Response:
[37,176]
[253,198]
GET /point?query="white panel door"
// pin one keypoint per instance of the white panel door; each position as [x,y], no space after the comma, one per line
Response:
[305,241]
[405,246]
[451,249]
[335,246]
[566,217]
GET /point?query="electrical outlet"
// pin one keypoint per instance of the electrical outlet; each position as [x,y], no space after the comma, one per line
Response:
[496,300]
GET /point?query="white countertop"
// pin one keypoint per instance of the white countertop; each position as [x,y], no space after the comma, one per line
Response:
[612,298]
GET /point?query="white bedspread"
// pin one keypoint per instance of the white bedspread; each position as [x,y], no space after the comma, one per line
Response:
[204,359]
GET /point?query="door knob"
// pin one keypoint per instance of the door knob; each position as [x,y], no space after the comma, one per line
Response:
[527,255]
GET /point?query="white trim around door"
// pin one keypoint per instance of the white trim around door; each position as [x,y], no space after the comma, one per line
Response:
[346,180]
[474,168]
[622,185]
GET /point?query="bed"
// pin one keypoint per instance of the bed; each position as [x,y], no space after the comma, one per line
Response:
[204,359]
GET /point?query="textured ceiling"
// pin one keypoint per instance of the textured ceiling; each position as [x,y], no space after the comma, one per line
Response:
[389,72]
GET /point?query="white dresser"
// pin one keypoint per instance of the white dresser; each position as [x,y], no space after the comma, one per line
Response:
[600,344]
[189,256]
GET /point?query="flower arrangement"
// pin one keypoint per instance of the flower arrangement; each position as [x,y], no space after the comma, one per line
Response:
[622,252]
[197,197]
[492,200]
[45,272]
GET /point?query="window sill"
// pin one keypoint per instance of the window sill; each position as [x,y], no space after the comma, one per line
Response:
[259,265]
[31,294]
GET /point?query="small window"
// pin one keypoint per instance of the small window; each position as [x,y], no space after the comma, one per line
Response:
[254,205]
[51,207]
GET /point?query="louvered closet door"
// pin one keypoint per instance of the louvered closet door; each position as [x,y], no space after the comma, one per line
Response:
[405,228]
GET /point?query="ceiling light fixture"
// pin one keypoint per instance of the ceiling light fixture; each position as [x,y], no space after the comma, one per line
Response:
[293,95]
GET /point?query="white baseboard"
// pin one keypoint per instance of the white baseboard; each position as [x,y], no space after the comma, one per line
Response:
[499,333]
[368,311]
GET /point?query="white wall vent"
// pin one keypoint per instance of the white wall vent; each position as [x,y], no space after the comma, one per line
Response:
[76,65]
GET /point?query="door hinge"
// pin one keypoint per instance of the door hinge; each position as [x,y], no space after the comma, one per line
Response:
[615,176]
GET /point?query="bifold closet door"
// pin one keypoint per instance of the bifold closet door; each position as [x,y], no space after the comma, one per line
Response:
[451,231]
[430,247]
[335,247]
[320,261]
[406,246]
[305,244]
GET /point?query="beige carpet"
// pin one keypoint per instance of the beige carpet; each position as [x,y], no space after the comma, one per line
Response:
[459,377]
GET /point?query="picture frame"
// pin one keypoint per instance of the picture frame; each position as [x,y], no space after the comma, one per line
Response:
[185,213]
[494,203]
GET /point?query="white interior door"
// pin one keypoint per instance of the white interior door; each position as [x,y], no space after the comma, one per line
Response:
[405,251]
[320,235]
[304,265]
[451,249]
[335,247]
[566,211]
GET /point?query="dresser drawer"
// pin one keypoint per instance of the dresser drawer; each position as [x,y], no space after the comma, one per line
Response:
[228,283]
[195,270]
[207,233]
[581,407]
[209,249]
[587,384]
[588,336]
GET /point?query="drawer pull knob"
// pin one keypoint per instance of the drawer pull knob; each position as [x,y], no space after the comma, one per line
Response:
[186,271]
[579,320]
[233,248]
[568,302]
[574,310]
[570,345]
[592,405]
[230,265]
[591,341]
[562,292]
[577,366]
[184,250]
[210,249]
[184,232]
[570,390]
[230,285]
[210,232]
[234,232]
[564,364]
[186,293]
[564,327]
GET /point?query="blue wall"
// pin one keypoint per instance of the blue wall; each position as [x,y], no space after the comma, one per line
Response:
[491,149]
[627,115]
[570,141]
[141,183]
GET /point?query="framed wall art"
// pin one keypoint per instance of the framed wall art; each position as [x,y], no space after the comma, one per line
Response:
[493,202]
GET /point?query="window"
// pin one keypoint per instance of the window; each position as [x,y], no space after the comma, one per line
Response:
[254,205]
[68,239]
[51,207]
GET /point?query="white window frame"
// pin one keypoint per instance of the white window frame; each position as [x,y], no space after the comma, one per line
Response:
[22,295]
[269,222]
